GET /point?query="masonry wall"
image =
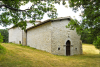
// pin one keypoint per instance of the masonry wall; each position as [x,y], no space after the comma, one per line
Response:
[48,37]
[60,35]
[24,38]
[15,35]
[24,33]
[18,36]
[40,37]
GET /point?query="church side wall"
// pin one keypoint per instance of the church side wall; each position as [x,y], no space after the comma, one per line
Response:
[60,35]
[40,37]
[15,35]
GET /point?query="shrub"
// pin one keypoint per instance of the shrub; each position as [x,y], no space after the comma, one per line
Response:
[2,50]
[97,43]
[4,33]
[1,38]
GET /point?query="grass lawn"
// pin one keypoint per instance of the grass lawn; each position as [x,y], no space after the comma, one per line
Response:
[23,56]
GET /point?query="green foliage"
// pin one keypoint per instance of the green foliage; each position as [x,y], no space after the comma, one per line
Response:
[2,50]
[87,37]
[1,38]
[74,24]
[4,33]
[97,42]
[12,13]
[90,14]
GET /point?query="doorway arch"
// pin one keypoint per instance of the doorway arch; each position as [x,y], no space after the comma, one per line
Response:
[68,48]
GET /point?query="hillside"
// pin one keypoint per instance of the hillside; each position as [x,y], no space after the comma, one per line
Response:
[23,56]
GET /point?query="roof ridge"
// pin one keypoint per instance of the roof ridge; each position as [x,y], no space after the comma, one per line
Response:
[68,17]
[41,22]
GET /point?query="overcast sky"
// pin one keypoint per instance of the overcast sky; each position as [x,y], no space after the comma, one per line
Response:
[61,10]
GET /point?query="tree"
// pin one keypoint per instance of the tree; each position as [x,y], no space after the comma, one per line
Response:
[2,49]
[90,17]
[1,38]
[97,43]
[86,37]
[13,14]
[4,33]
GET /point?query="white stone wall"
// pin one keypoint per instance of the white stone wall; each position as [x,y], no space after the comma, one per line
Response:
[48,37]
[59,37]
[24,38]
[15,35]
[30,24]
[40,37]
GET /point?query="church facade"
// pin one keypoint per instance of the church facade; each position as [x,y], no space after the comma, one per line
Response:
[50,35]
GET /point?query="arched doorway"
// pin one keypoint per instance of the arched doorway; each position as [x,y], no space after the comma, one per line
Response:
[68,48]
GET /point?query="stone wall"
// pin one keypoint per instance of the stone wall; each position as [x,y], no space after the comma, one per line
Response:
[18,36]
[60,35]
[24,38]
[15,35]
[40,37]
[50,37]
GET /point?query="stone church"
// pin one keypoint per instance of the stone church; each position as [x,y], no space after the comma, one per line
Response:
[50,35]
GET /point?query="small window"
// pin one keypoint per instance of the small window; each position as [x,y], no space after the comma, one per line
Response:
[75,48]
[58,48]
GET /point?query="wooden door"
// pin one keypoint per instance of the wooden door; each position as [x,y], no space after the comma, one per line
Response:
[68,48]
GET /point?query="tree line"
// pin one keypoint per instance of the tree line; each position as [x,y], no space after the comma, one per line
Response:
[4,35]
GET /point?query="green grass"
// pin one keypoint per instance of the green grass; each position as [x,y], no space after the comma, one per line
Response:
[23,56]
[2,50]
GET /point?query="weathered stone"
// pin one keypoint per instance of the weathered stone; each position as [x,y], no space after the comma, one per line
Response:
[15,35]
[51,36]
